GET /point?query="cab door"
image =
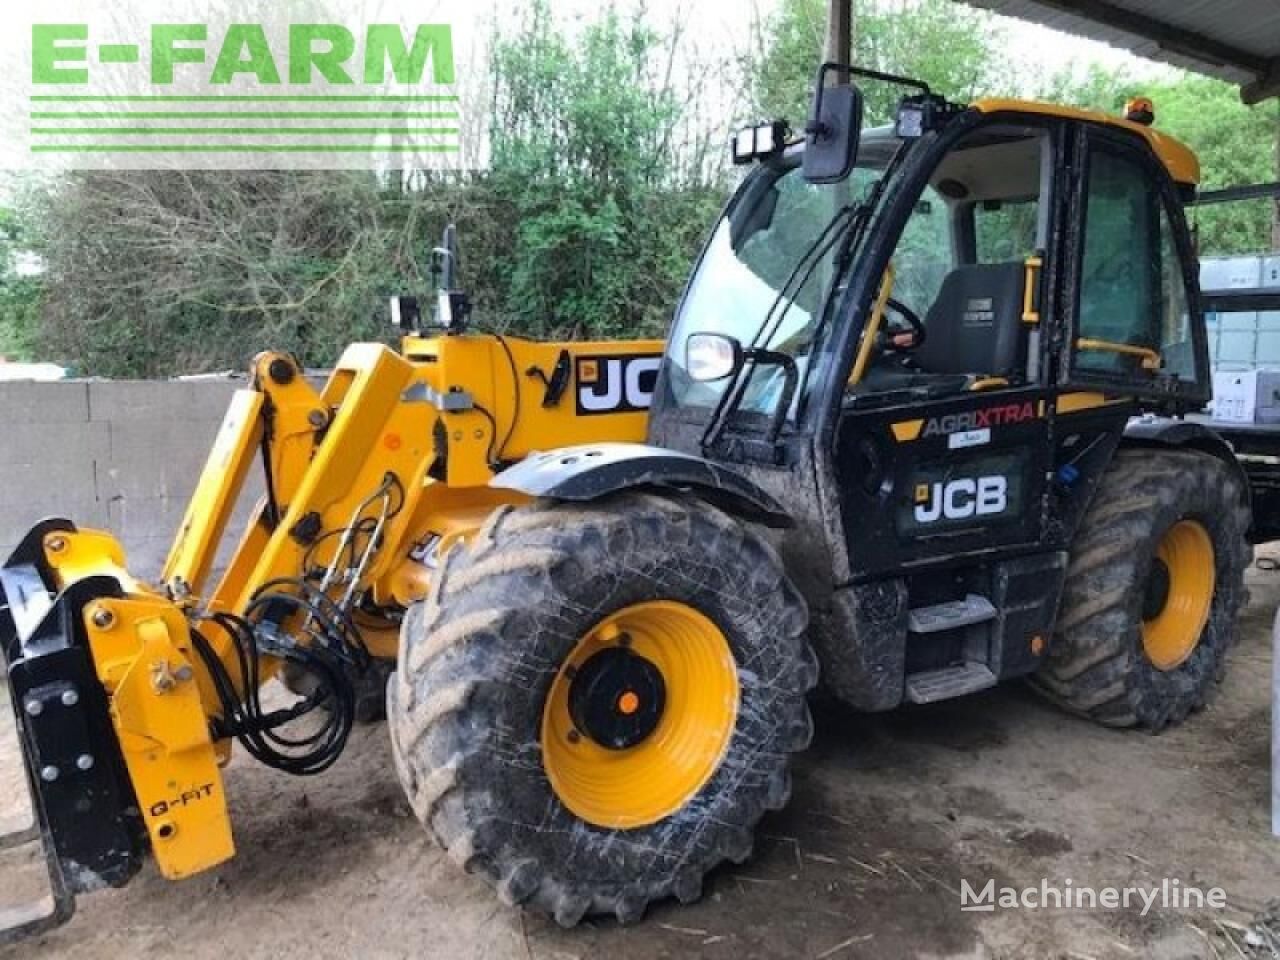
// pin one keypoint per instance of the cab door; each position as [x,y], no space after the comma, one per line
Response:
[929,484]
[1134,287]
[945,457]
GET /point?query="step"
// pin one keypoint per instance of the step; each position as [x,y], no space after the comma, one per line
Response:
[932,686]
[949,616]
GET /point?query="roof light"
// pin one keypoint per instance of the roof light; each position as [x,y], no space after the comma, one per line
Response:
[760,141]
[1140,110]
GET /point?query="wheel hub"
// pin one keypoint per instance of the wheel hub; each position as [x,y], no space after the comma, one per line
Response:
[616,698]
[1156,597]
[640,714]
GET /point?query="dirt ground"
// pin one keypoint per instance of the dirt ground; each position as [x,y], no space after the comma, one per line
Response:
[888,815]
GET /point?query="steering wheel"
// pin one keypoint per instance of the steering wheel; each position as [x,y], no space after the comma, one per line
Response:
[901,339]
[879,339]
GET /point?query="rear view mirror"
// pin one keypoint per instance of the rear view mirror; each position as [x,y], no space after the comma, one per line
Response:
[835,126]
[712,356]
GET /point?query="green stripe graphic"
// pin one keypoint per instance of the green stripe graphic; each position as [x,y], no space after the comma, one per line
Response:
[243,148]
[247,98]
[248,115]
[240,131]
[237,115]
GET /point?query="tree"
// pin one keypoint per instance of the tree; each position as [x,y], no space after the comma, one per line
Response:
[20,290]
[156,272]
[1236,144]
[597,199]
[608,212]
[957,51]
[607,170]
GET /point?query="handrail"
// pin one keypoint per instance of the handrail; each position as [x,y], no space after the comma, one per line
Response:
[1150,358]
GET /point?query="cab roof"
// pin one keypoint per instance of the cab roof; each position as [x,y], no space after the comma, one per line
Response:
[1181,162]
[879,143]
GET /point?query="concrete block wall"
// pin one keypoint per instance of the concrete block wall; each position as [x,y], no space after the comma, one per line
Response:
[118,455]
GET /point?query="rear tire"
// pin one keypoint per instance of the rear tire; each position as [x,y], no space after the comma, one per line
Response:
[1103,661]
[481,659]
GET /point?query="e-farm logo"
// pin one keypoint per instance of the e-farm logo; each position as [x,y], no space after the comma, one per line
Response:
[357,88]
[60,53]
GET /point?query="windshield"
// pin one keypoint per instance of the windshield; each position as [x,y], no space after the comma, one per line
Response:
[754,283]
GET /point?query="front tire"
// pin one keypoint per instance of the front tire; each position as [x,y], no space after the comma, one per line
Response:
[1153,588]
[597,703]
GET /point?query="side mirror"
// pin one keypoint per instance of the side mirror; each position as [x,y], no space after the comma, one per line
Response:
[835,126]
[712,356]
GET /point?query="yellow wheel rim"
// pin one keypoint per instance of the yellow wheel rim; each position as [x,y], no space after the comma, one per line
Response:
[1171,630]
[652,779]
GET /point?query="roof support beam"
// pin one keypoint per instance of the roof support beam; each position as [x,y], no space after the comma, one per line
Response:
[1257,191]
[1172,38]
[839,43]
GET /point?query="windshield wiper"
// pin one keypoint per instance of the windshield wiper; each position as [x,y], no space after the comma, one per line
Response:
[862,217]
[755,356]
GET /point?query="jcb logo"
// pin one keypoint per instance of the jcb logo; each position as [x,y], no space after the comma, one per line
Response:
[961,499]
[616,384]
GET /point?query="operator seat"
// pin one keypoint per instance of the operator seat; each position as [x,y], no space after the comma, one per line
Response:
[973,332]
[975,325]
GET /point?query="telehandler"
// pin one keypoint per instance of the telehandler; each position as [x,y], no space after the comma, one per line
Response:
[918,428]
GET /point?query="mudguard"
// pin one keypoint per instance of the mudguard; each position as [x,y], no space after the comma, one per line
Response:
[592,471]
[1166,432]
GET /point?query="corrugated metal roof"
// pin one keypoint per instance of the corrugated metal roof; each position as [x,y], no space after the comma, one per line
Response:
[1236,40]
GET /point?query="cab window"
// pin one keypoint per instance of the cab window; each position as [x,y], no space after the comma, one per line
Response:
[1134,309]
[1006,230]
[925,254]
[953,318]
